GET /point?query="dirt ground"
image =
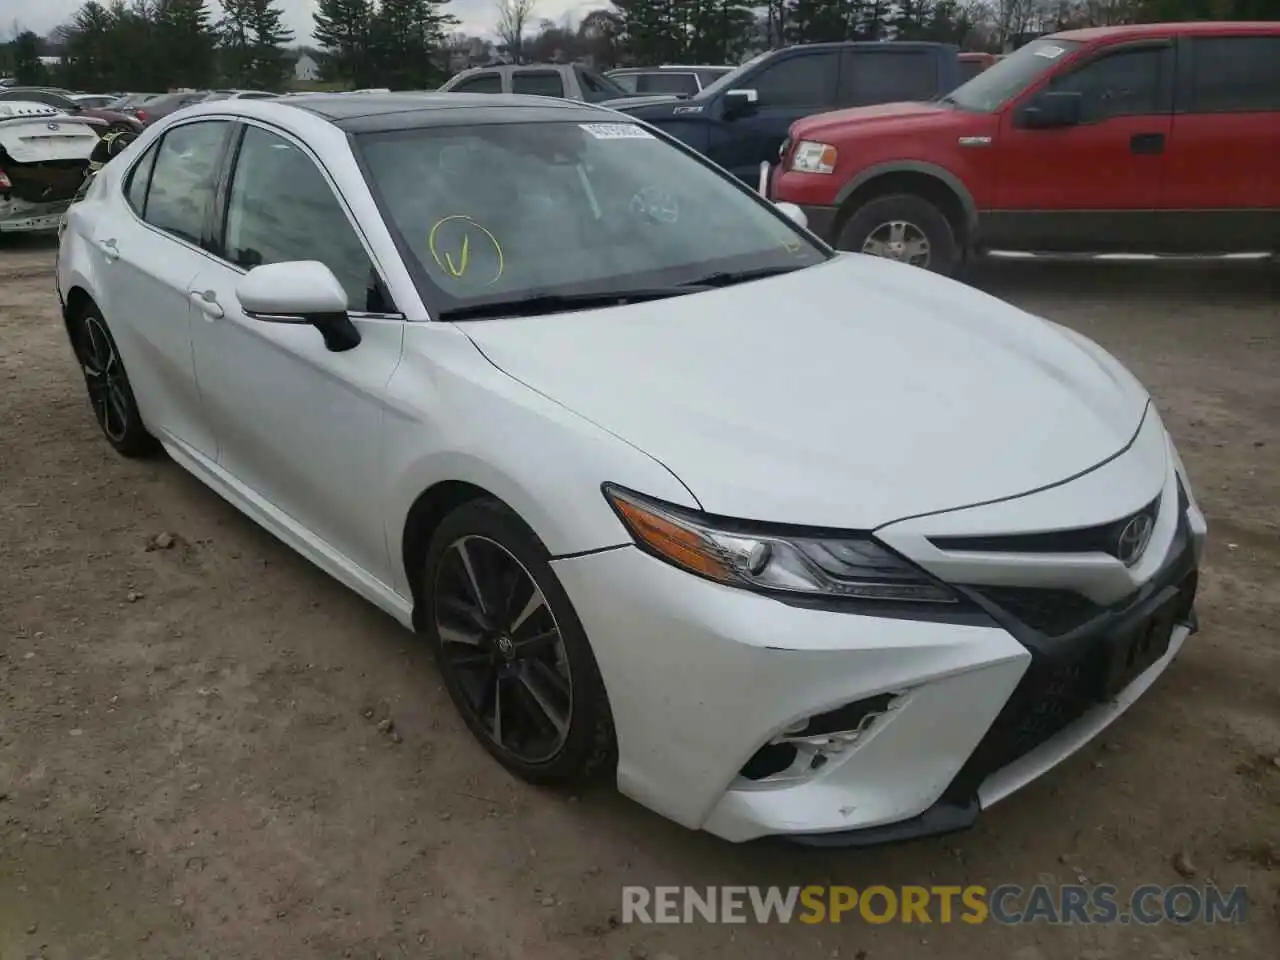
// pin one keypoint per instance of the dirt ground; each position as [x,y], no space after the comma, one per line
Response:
[187,767]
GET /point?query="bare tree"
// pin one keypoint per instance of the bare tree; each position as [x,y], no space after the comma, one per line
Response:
[513,16]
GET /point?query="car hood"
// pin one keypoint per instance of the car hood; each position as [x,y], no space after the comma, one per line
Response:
[878,117]
[849,394]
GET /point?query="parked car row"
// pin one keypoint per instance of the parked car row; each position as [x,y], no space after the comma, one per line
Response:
[1155,139]
[83,105]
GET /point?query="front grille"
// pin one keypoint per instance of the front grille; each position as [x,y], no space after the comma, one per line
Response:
[1059,686]
[1103,538]
[1051,695]
[1051,612]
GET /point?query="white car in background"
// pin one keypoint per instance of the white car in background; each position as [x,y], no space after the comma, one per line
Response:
[44,158]
[786,541]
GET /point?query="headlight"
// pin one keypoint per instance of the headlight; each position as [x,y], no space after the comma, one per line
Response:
[813,157]
[754,557]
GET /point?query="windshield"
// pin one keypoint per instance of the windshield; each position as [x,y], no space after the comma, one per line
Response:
[497,213]
[1002,81]
[730,80]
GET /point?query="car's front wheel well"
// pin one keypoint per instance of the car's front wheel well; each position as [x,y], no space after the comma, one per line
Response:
[431,507]
[912,183]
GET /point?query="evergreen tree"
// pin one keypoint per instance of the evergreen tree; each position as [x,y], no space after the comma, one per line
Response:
[27,68]
[271,64]
[651,30]
[342,29]
[87,54]
[252,37]
[234,44]
[405,42]
[184,43]
[718,31]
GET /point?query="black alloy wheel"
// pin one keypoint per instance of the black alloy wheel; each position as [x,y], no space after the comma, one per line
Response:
[110,395]
[512,653]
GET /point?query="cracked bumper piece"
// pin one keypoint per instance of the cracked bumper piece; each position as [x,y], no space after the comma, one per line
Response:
[701,677]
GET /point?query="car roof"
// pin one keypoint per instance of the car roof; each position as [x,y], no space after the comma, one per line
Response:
[1137,31]
[375,112]
[512,67]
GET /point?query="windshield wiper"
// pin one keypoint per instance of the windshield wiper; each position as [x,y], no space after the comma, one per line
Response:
[727,278]
[539,304]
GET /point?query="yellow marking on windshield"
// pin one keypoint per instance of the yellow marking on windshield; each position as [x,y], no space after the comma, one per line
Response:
[458,267]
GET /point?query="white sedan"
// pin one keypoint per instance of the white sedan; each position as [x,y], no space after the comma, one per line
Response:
[783,540]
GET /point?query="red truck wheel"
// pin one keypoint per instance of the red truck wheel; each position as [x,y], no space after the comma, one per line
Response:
[902,227]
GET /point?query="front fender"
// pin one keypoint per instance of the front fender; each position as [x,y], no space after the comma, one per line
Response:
[925,167]
[453,416]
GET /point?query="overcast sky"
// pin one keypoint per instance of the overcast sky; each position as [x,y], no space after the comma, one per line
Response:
[477,16]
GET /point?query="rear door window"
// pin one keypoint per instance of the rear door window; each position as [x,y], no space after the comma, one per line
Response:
[135,190]
[872,76]
[539,83]
[184,178]
[1231,74]
[627,81]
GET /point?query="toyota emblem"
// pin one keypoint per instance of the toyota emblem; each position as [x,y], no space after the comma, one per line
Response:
[1133,539]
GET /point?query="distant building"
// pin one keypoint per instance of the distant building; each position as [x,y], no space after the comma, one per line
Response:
[306,70]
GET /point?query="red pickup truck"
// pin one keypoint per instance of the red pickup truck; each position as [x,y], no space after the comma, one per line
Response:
[1156,138]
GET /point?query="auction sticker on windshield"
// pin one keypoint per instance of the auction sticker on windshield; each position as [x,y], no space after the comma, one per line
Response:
[616,131]
[1050,52]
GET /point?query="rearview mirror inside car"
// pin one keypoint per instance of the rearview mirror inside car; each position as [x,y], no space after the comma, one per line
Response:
[303,291]
[740,103]
[1052,109]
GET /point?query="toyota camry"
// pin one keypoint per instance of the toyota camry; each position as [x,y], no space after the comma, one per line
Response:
[782,541]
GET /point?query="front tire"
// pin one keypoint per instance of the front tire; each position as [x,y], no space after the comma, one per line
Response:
[903,227]
[110,394]
[513,654]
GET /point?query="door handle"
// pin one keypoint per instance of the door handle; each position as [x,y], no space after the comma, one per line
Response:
[110,250]
[207,301]
[1147,143]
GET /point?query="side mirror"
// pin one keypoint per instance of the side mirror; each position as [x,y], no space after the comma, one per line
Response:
[1052,109]
[304,291]
[740,103]
[793,213]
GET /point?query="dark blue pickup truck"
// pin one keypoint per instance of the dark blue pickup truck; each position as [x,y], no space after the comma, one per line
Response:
[742,119]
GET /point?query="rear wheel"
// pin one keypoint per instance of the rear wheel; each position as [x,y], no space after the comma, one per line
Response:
[902,227]
[110,395]
[511,650]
